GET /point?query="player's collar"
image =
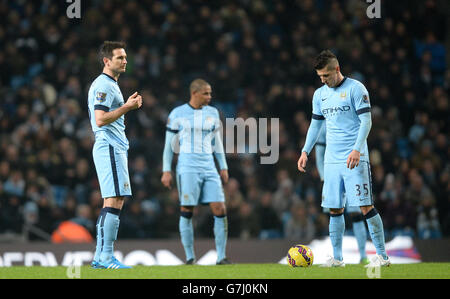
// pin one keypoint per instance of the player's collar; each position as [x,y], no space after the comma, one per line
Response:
[194,107]
[340,83]
[109,77]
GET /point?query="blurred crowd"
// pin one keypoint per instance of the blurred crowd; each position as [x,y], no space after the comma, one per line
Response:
[257,55]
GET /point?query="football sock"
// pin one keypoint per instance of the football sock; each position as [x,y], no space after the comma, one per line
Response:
[109,232]
[359,229]
[376,231]
[336,230]
[99,227]
[220,235]
[187,234]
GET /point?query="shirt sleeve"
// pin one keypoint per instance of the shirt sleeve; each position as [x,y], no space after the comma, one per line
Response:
[317,121]
[219,152]
[360,99]
[361,102]
[172,122]
[364,129]
[317,111]
[168,152]
[103,98]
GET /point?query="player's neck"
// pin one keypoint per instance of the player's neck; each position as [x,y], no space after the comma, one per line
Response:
[340,79]
[110,73]
[195,105]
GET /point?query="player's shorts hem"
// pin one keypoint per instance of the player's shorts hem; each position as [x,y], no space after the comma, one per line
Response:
[129,196]
[331,207]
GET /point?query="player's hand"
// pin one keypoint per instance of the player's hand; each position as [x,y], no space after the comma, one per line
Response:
[353,159]
[224,175]
[166,179]
[301,164]
[134,101]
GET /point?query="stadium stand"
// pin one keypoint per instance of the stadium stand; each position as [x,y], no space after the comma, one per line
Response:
[258,56]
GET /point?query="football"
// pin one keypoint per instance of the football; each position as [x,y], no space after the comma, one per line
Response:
[300,256]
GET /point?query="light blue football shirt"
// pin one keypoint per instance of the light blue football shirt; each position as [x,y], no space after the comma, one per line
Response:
[340,107]
[104,94]
[196,130]
[322,139]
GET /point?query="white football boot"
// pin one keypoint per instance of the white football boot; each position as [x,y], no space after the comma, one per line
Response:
[331,262]
[378,261]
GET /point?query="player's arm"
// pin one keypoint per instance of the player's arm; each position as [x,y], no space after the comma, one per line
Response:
[313,132]
[363,133]
[219,154]
[166,178]
[311,138]
[361,103]
[103,116]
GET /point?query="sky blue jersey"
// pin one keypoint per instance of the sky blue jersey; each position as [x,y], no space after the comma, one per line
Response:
[104,94]
[198,133]
[340,107]
[322,139]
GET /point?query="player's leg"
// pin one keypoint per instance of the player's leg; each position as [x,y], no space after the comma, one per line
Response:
[213,194]
[187,233]
[359,230]
[112,172]
[188,185]
[336,230]
[109,228]
[332,198]
[376,231]
[220,230]
[358,182]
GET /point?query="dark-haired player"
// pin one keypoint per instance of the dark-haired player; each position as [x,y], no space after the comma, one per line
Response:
[344,104]
[107,110]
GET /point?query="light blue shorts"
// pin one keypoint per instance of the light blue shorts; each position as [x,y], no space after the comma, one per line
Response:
[111,165]
[356,183]
[348,209]
[199,188]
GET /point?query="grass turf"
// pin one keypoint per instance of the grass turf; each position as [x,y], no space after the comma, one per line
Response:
[235,271]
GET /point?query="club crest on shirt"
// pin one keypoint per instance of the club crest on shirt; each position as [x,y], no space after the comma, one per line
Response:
[101,97]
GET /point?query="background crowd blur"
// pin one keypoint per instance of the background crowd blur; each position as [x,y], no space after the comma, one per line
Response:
[257,55]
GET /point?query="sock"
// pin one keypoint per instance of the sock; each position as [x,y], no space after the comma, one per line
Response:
[99,227]
[187,234]
[109,232]
[220,235]
[359,229]
[375,226]
[336,229]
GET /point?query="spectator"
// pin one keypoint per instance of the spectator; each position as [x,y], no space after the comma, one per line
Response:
[300,226]
[270,223]
[427,221]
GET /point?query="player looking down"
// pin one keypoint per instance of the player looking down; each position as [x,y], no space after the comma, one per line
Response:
[343,103]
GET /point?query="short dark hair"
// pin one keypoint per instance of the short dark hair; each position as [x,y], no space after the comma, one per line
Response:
[197,84]
[323,59]
[107,48]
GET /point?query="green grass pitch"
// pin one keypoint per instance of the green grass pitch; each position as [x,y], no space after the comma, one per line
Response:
[235,271]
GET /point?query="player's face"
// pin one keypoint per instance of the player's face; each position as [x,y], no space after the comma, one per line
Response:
[118,62]
[329,76]
[203,95]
